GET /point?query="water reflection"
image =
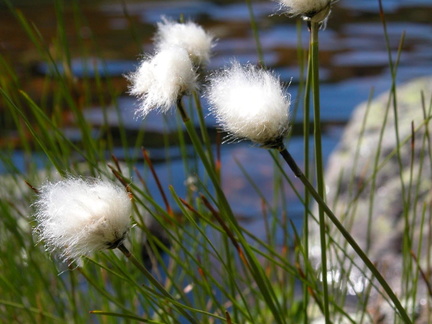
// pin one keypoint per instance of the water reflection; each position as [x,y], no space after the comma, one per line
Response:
[354,60]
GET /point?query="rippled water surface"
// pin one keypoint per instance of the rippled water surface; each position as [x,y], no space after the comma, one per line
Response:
[354,62]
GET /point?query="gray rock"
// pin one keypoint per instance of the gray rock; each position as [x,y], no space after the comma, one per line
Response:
[377,203]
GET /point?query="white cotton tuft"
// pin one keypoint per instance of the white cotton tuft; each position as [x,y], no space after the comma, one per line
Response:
[161,79]
[79,216]
[304,7]
[190,36]
[250,103]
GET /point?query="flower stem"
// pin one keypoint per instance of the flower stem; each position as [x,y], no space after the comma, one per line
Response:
[351,241]
[314,64]
[255,30]
[306,141]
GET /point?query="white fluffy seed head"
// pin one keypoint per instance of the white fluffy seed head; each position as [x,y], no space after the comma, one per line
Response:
[161,79]
[304,8]
[190,36]
[79,216]
[250,103]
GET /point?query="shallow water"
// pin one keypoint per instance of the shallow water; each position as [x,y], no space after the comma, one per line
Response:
[354,61]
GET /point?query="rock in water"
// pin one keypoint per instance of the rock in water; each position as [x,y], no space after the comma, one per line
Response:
[384,198]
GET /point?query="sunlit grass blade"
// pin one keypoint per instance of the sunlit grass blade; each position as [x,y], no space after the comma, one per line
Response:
[124,316]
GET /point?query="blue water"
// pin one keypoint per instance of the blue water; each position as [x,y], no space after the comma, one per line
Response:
[354,60]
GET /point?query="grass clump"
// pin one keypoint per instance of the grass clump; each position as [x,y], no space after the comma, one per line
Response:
[183,256]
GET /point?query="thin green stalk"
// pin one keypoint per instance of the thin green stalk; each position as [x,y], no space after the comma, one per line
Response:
[153,281]
[427,116]
[352,185]
[314,64]
[306,132]
[405,196]
[207,143]
[378,152]
[298,173]
[124,316]
[393,70]
[409,280]
[217,254]
[204,134]
[34,310]
[73,298]
[254,266]
[100,290]
[255,32]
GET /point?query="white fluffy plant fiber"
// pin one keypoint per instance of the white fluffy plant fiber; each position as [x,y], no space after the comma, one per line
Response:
[303,7]
[79,216]
[250,103]
[190,36]
[161,79]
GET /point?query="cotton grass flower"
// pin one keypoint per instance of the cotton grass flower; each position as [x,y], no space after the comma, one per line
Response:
[160,80]
[317,10]
[79,216]
[190,36]
[250,103]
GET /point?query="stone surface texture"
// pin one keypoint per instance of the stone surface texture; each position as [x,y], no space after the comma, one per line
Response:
[384,198]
